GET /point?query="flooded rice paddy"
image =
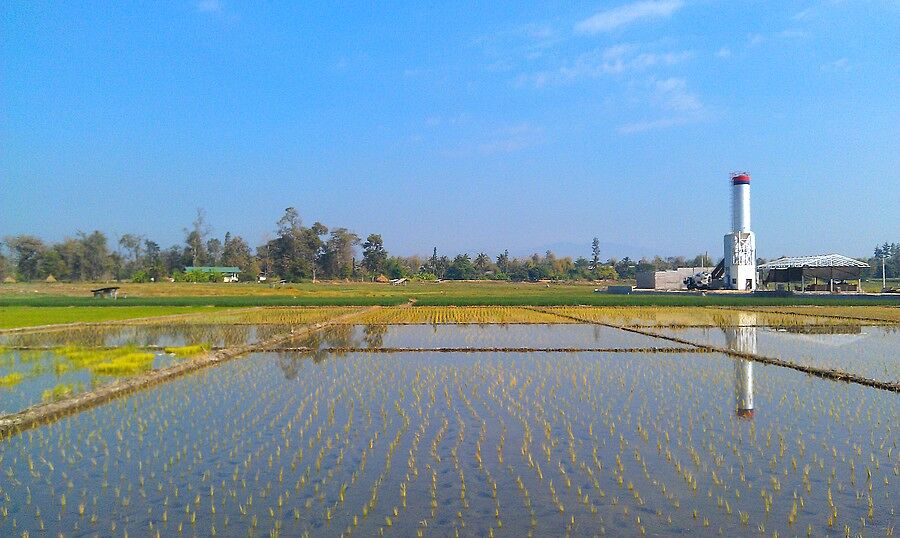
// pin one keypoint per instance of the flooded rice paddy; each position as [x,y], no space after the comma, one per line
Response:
[533,336]
[45,366]
[47,375]
[872,352]
[329,435]
[144,335]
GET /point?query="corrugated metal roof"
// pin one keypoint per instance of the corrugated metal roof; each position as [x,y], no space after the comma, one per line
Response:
[824,260]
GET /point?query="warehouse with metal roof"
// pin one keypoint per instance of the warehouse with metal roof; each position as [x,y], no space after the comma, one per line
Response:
[827,272]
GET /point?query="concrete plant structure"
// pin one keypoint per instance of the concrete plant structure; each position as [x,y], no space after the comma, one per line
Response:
[740,244]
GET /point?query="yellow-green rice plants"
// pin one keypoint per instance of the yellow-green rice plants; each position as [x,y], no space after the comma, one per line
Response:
[300,315]
[185,352]
[841,314]
[60,391]
[11,379]
[485,443]
[457,315]
[117,361]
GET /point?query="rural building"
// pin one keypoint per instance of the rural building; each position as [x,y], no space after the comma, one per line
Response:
[229,274]
[110,292]
[827,272]
[672,279]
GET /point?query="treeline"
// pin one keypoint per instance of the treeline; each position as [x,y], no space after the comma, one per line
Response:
[298,253]
[889,253]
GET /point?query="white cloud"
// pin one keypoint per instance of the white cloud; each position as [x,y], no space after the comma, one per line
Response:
[643,126]
[793,33]
[609,20]
[456,120]
[680,105]
[842,64]
[506,48]
[614,60]
[755,39]
[513,138]
[804,14]
[724,52]
[535,32]
[672,94]
[209,6]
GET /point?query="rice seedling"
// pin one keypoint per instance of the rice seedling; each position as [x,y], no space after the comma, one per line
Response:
[185,352]
[867,351]
[60,391]
[300,315]
[871,314]
[665,316]
[485,444]
[11,379]
[118,361]
[457,315]
[126,364]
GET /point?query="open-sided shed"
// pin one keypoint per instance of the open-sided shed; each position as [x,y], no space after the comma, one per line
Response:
[833,270]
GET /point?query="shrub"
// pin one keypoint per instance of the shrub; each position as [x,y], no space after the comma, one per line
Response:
[188,351]
[198,276]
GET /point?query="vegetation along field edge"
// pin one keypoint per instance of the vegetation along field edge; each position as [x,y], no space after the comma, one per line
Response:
[475,299]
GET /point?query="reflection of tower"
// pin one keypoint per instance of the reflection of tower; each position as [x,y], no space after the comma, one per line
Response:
[742,339]
[740,244]
[743,387]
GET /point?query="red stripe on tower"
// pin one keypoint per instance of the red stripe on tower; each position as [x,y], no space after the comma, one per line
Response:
[740,179]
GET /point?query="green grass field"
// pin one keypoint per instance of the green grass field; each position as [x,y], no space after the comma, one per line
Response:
[875,285]
[366,294]
[30,316]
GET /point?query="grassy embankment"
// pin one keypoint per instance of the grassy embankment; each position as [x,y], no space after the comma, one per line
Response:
[31,316]
[367,294]
[875,285]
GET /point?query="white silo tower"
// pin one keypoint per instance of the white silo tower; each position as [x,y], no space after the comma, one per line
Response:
[740,244]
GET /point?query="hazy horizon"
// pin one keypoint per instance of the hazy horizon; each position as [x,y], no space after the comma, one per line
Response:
[477,128]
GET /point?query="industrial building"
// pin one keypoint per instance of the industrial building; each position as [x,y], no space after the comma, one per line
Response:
[736,271]
[667,280]
[740,244]
[828,272]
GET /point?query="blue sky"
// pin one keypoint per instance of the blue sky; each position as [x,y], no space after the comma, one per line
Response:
[470,127]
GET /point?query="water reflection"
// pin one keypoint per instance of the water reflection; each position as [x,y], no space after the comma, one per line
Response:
[742,339]
[148,335]
[831,336]
[374,335]
[328,343]
[824,329]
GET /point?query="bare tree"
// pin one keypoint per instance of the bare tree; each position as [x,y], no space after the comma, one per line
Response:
[196,238]
[133,243]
